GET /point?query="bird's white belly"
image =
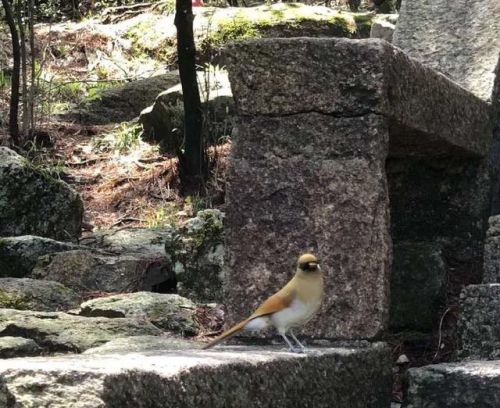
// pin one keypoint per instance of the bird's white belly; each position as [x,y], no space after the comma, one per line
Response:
[297,314]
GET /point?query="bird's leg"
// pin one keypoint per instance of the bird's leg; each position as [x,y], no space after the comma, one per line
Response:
[302,348]
[290,345]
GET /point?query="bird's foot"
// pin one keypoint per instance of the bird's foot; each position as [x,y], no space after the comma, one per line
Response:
[296,350]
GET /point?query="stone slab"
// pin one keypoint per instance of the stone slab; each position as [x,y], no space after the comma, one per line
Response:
[428,113]
[459,39]
[229,376]
[460,385]
[317,184]
[479,324]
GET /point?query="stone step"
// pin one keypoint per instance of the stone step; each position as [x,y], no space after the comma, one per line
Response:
[461,385]
[230,376]
[479,324]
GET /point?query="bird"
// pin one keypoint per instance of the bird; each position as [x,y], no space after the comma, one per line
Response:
[292,306]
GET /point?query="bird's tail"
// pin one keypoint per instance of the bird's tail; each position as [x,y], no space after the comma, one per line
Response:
[228,333]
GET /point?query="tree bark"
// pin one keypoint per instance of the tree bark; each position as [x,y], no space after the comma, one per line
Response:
[192,161]
[24,72]
[31,98]
[16,56]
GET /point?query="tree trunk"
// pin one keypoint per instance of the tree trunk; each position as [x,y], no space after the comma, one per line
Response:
[16,55]
[24,72]
[192,161]
[31,98]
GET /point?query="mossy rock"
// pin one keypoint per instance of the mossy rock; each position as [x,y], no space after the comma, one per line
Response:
[196,254]
[30,294]
[280,20]
[168,312]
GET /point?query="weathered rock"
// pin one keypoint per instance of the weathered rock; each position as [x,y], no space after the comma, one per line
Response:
[346,378]
[135,344]
[461,41]
[32,202]
[167,113]
[479,324]
[317,185]
[130,240]
[492,252]
[460,385]
[125,102]
[18,255]
[363,76]
[30,294]
[382,29]
[84,270]
[418,279]
[18,347]
[144,244]
[169,312]
[56,331]
[196,254]
[317,156]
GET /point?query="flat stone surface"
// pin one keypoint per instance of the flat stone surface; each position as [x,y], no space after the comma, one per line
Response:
[460,385]
[168,312]
[428,114]
[24,293]
[459,39]
[228,376]
[317,184]
[479,324]
[56,331]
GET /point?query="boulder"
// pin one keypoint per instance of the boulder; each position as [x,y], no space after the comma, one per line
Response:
[479,322]
[168,312]
[196,255]
[163,122]
[457,385]
[418,281]
[231,376]
[145,244]
[40,295]
[18,347]
[18,255]
[84,270]
[136,344]
[56,331]
[33,202]
[124,103]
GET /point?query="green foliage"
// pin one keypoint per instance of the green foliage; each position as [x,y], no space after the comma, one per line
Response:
[122,139]
[161,217]
[12,300]
[39,160]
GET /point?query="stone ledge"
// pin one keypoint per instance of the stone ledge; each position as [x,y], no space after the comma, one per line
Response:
[428,113]
[226,376]
[461,385]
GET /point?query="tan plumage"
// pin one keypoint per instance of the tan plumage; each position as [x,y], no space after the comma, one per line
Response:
[292,306]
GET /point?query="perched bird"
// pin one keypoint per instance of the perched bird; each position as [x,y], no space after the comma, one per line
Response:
[292,306]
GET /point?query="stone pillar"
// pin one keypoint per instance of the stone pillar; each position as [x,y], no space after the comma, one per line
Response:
[318,119]
[303,179]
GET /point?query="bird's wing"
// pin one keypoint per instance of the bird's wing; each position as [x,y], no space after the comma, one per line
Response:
[274,304]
